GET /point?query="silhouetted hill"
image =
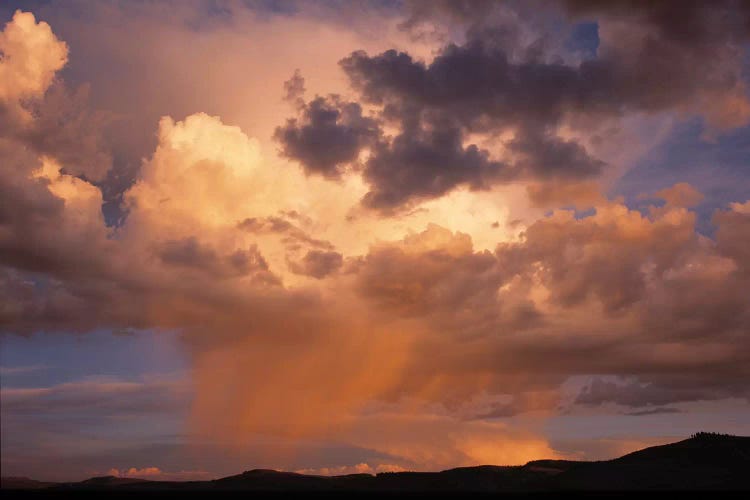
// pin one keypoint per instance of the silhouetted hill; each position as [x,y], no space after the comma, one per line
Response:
[703,462]
[23,483]
[699,463]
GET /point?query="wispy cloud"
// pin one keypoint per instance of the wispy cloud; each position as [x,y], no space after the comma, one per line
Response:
[7,371]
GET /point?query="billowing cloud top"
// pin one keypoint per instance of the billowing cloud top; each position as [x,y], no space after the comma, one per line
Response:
[421,255]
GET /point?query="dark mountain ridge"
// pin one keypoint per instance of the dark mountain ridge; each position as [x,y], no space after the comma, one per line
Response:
[703,462]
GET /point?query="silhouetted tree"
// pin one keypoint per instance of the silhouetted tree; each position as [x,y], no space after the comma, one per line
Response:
[709,435]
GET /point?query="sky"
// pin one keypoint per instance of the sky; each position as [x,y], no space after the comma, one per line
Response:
[369,236]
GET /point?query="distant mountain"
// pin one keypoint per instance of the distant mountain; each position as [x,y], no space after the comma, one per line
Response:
[23,483]
[703,462]
[110,481]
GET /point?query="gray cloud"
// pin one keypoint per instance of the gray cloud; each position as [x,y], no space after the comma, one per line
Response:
[189,253]
[294,236]
[294,89]
[488,85]
[63,127]
[95,398]
[665,410]
[328,135]
[423,164]
[636,394]
[317,264]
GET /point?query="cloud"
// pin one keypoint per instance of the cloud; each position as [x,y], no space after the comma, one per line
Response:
[32,55]
[293,235]
[733,227]
[638,395]
[156,474]
[100,398]
[550,157]
[707,36]
[188,253]
[550,195]
[463,90]
[654,411]
[361,468]
[38,109]
[412,328]
[65,128]
[424,163]
[681,195]
[318,264]
[104,54]
[433,271]
[295,89]
[18,370]
[329,134]
[665,41]
[491,86]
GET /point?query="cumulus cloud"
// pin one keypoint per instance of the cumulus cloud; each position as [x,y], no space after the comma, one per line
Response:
[329,135]
[526,99]
[38,109]
[681,195]
[190,254]
[582,195]
[156,474]
[64,127]
[318,264]
[424,163]
[31,55]
[464,89]
[361,468]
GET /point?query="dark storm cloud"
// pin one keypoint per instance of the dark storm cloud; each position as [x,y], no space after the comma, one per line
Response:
[636,394]
[317,264]
[547,157]
[672,59]
[690,21]
[425,164]
[482,86]
[189,253]
[328,135]
[472,88]
[455,10]
[476,83]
